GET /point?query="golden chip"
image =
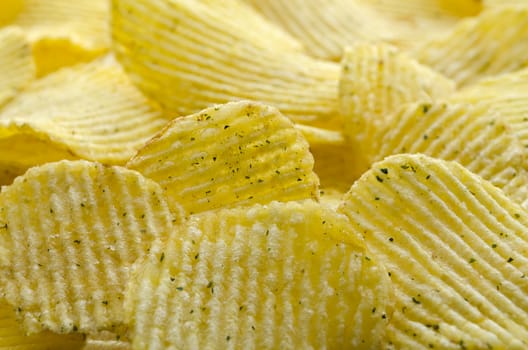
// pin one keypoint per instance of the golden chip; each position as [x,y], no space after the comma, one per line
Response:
[455,249]
[471,135]
[213,56]
[17,68]
[280,276]
[69,232]
[89,111]
[232,154]
[494,42]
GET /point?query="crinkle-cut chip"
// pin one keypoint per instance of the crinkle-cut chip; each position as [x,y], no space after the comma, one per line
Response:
[492,43]
[278,276]
[326,27]
[497,3]
[89,111]
[69,232]
[473,136]
[62,32]
[12,335]
[232,154]
[106,341]
[506,94]
[376,80]
[213,56]
[17,68]
[455,248]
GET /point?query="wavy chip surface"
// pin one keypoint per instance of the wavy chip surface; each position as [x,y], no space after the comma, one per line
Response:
[474,136]
[69,232]
[214,56]
[232,154]
[492,43]
[284,275]
[89,111]
[17,68]
[61,32]
[455,249]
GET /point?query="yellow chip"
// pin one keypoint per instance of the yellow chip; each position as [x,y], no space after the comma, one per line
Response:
[69,232]
[12,336]
[232,154]
[89,111]
[326,27]
[213,56]
[280,276]
[106,341]
[455,249]
[17,68]
[471,135]
[496,3]
[62,32]
[375,81]
[9,9]
[507,94]
[494,42]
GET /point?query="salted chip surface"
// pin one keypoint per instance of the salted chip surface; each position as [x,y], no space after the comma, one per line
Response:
[13,336]
[69,232]
[455,249]
[214,56]
[90,111]
[237,153]
[376,80]
[492,43]
[61,32]
[474,136]
[278,276]
[17,68]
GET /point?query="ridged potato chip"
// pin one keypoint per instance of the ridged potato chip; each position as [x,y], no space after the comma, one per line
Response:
[471,135]
[69,232]
[494,42]
[62,32]
[213,56]
[12,336]
[280,276]
[232,154]
[455,248]
[106,341]
[89,111]
[326,27]
[496,3]
[375,81]
[17,68]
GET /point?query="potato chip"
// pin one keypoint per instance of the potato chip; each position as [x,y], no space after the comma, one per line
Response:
[471,135]
[496,3]
[494,42]
[106,341]
[12,336]
[280,276]
[232,154]
[89,111]
[9,9]
[212,56]
[326,27]
[17,68]
[375,81]
[69,232]
[62,32]
[507,94]
[455,248]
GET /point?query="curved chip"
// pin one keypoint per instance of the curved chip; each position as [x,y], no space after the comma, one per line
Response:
[106,341]
[470,135]
[89,111]
[12,336]
[375,81]
[62,32]
[232,154]
[212,57]
[281,276]
[17,68]
[69,232]
[326,27]
[494,42]
[455,248]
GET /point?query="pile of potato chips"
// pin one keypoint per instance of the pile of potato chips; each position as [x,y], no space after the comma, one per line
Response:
[247,174]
